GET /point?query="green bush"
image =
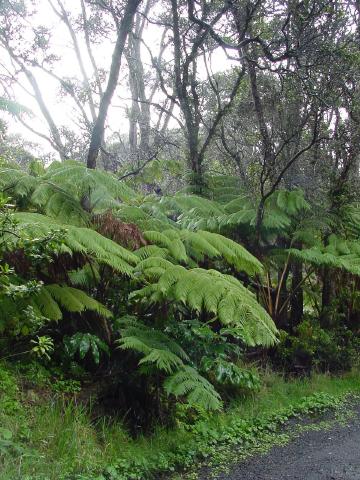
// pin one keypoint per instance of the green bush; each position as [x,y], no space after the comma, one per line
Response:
[312,347]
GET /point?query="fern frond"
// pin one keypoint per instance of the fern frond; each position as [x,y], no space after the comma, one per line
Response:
[59,204]
[169,239]
[183,244]
[212,292]
[156,347]
[151,251]
[75,300]
[338,254]
[86,276]
[79,239]
[234,253]
[166,355]
[104,189]
[52,299]
[142,217]
[198,391]
[47,197]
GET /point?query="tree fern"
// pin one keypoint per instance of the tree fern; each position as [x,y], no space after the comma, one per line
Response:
[198,213]
[67,191]
[170,240]
[74,300]
[47,197]
[103,189]
[234,253]
[86,276]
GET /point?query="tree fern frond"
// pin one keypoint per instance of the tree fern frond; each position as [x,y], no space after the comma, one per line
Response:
[151,251]
[151,264]
[59,204]
[47,197]
[156,347]
[234,253]
[198,391]
[338,254]
[142,218]
[75,300]
[86,181]
[291,202]
[80,239]
[47,305]
[200,244]
[213,292]
[167,356]
[86,276]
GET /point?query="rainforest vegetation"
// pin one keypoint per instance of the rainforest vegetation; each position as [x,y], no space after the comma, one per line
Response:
[179,227]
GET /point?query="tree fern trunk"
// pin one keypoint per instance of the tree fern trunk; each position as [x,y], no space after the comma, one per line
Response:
[281,320]
[327,294]
[297,300]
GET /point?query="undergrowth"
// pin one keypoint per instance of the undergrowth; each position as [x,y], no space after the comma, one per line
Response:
[56,438]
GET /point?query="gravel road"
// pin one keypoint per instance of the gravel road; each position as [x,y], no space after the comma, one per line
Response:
[315,455]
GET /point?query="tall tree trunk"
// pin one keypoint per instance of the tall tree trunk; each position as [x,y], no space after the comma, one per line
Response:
[140,108]
[184,80]
[89,49]
[124,28]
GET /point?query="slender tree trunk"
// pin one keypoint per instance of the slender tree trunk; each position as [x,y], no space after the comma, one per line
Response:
[55,134]
[88,46]
[140,109]
[98,129]
[189,107]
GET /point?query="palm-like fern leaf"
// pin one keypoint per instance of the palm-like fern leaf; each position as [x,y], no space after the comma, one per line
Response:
[338,253]
[47,197]
[157,348]
[166,355]
[103,188]
[198,391]
[65,189]
[184,245]
[211,291]
[53,298]
[79,239]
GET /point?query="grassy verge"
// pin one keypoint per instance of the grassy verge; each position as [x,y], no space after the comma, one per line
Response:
[57,440]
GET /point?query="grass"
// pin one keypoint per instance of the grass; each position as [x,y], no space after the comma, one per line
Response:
[57,440]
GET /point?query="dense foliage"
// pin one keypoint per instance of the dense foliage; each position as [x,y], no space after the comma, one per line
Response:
[159,291]
[155,263]
[124,288]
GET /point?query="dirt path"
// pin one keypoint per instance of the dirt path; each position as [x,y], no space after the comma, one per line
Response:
[315,455]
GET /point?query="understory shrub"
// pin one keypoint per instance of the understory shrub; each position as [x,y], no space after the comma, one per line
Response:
[314,348]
